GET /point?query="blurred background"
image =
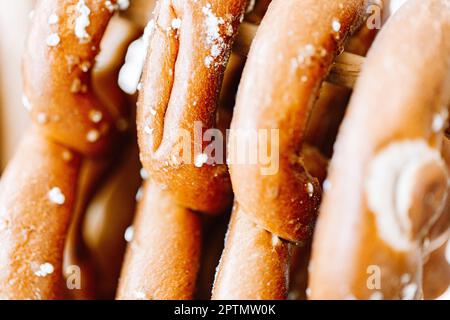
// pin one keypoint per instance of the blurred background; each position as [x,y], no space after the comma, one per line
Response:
[14,22]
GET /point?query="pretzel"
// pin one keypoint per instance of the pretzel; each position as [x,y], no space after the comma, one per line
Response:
[308,63]
[281,102]
[68,33]
[180,86]
[70,123]
[180,103]
[376,194]
[97,244]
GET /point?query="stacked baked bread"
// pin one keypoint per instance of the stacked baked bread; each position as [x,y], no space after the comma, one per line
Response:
[288,149]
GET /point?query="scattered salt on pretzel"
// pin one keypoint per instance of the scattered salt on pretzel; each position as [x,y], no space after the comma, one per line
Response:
[394,128]
[285,68]
[70,123]
[189,44]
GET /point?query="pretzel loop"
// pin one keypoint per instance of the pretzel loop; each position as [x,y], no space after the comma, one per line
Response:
[394,188]
[282,98]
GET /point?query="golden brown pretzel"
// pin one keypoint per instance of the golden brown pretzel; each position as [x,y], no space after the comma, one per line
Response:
[285,102]
[62,45]
[169,268]
[190,45]
[71,122]
[387,160]
[37,196]
[285,203]
[253,254]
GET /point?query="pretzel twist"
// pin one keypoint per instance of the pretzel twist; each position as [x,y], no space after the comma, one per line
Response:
[389,179]
[278,90]
[285,102]
[70,123]
[189,46]
[181,86]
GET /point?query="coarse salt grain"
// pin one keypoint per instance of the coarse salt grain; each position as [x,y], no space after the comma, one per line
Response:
[336,25]
[123,4]
[42,118]
[93,135]
[139,194]
[212,25]
[200,160]
[95,116]
[275,240]
[67,155]
[56,196]
[439,120]
[208,61]
[176,23]
[45,270]
[85,66]
[129,234]
[82,21]
[53,19]
[148,130]
[53,40]
[409,291]
[144,174]
[26,103]
[310,189]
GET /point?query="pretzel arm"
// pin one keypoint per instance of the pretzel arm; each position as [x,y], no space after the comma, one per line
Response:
[254,264]
[37,196]
[164,256]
